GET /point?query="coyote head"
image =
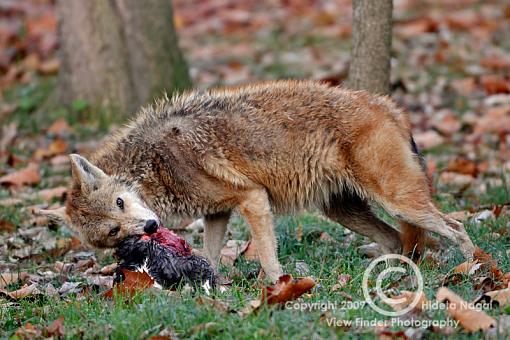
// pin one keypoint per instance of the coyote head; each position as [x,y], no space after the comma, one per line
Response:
[103,209]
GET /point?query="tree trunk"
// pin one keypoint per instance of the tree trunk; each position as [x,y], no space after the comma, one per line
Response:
[371,46]
[118,54]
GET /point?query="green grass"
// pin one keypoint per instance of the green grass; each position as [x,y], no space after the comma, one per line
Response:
[92,316]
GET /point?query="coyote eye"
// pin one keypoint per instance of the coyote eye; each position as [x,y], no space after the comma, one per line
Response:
[120,203]
[114,231]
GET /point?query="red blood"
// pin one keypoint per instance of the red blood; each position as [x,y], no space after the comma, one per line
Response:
[170,240]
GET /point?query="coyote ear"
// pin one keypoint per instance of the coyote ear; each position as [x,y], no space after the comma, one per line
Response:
[57,215]
[85,174]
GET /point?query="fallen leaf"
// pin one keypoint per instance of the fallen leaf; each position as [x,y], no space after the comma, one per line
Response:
[463,166]
[231,251]
[251,307]
[55,329]
[428,140]
[109,269]
[497,63]
[21,293]
[287,289]
[8,278]
[494,84]
[9,132]
[302,268]
[404,300]
[467,268]
[471,319]
[460,216]
[456,179]
[56,147]
[501,296]
[7,226]
[69,288]
[49,194]
[325,237]
[132,283]
[447,123]
[218,305]
[416,27]
[49,67]
[9,202]
[28,331]
[464,86]
[60,127]
[28,175]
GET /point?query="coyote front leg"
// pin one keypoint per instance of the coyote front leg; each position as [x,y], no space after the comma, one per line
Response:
[256,210]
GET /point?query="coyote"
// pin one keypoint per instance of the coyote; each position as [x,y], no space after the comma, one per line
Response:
[275,147]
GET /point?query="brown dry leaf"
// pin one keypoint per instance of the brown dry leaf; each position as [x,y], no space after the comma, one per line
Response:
[494,84]
[109,269]
[9,132]
[49,67]
[287,289]
[388,334]
[464,86]
[218,305]
[447,123]
[324,236]
[405,299]
[7,226]
[8,278]
[456,179]
[462,20]
[133,282]
[50,194]
[60,127]
[471,319]
[28,175]
[492,266]
[428,139]
[55,329]
[416,27]
[28,331]
[343,279]
[9,202]
[495,62]
[460,216]
[502,296]
[463,166]
[250,252]
[21,293]
[467,268]
[231,251]
[251,307]
[56,147]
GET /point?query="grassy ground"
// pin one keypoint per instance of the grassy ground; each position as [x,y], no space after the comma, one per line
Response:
[92,316]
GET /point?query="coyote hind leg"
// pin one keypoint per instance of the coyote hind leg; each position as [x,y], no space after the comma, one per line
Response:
[355,214]
[214,232]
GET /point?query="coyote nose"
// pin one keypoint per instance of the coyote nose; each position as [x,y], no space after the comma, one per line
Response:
[151,226]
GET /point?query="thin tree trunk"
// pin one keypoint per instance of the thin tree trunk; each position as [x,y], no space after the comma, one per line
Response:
[118,54]
[371,46]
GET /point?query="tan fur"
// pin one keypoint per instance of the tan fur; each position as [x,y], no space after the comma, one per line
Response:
[272,147]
